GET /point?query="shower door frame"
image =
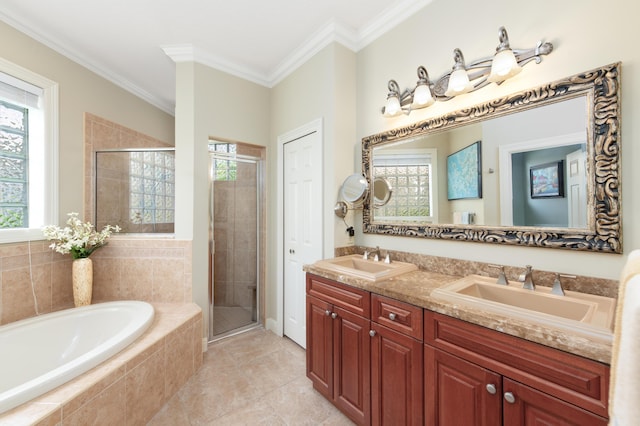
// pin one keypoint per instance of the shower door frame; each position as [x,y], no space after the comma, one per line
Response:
[259,174]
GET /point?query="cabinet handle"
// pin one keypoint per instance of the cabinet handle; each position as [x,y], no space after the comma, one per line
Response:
[392,316]
[372,333]
[327,312]
[491,388]
[509,397]
[334,315]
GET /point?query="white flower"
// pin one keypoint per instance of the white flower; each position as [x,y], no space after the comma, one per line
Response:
[78,238]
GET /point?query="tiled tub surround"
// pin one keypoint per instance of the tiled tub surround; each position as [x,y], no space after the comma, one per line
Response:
[132,386]
[151,270]
[435,272]
[102,134]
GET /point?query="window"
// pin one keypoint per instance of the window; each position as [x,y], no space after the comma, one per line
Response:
[223,168]
[28,153]
[14,158]
[413,179]
[151,187]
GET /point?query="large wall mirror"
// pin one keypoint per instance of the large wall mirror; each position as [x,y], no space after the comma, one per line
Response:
[537,168]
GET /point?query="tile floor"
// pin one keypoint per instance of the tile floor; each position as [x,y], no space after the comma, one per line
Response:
[254,378]
[228,318]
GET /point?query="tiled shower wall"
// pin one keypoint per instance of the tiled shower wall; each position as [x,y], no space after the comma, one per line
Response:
[235,235]
[152,270]
[101,134]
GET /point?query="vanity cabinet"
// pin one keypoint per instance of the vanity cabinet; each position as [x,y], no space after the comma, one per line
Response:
[396,362]
[364,353]
[478,376]
[339,345]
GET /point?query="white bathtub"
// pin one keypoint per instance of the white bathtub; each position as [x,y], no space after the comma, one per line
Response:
[41,353]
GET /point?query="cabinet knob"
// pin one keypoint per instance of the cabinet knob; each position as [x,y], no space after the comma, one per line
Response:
[491,388]
[292,251]
[372,333]
[334,315]
[327,312]
[392,316]
[509,397]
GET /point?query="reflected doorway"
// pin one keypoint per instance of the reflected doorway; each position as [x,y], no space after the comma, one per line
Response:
[235,238]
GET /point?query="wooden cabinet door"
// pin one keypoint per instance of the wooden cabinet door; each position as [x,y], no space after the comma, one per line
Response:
[526,406]
[320,345]
[351,365]
[396,378]
[457,392]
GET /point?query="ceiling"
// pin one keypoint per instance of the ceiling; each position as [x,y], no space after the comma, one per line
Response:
[134,42]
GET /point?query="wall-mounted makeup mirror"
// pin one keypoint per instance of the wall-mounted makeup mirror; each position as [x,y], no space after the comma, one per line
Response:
[354,189]
[537,168]
[382,191]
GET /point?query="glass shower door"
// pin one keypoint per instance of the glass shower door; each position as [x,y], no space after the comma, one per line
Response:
[234,248]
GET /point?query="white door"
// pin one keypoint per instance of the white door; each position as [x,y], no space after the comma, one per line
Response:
[302,226]
[577,189]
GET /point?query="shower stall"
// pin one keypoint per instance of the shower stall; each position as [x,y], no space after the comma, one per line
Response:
[235,238]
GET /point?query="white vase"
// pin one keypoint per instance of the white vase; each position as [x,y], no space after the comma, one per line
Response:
[82,275]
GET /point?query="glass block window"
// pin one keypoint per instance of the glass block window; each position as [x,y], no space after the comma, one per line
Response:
[14,162]
[412,178]
[225,167]
[151,187]
[28,153]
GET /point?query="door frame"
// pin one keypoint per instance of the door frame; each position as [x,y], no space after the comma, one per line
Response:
[277,325]
[505,167]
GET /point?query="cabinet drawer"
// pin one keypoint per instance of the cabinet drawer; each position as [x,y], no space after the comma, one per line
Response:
[396,315]
[574,379]
[349,298]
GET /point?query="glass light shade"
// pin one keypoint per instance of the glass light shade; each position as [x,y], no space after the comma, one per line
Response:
[458,83]
[392,106]
[422,96]
[504,66]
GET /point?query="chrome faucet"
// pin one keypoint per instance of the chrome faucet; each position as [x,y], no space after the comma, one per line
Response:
[557,284]
[376,253]
[528,279]
[502,278]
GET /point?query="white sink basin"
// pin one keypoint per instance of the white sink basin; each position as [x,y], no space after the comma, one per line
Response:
[355,265]
[585,314]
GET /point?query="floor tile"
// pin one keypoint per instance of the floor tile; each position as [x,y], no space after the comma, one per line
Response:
[253,378]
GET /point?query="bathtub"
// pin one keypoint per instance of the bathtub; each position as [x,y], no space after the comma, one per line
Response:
[40,353]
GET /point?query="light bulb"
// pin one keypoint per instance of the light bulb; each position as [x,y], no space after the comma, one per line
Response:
[392,107]
[422,96]
[458,83]
[504,66]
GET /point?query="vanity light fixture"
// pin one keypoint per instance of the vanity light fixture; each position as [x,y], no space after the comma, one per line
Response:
[459,79]
[392,106]
[422,96]
[463,78]
[504,64]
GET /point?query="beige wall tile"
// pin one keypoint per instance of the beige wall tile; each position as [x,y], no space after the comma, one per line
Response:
[108,408]
[145,389]
[179,359]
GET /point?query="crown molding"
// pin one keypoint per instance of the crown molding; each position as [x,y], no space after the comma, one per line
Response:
[191,53]
[388,19]
[118,80]
[332,31]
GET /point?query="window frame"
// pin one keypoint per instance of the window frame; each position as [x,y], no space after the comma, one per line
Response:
[49,184]
[431,157]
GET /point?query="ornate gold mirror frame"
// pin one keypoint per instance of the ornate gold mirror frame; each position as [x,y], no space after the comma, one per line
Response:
[603,234]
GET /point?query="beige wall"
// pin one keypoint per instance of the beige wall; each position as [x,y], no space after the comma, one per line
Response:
[322,88]
[209,104]
[585,34]
[81,91]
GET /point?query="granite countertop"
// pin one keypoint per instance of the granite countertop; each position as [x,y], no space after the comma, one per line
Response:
[416,288]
